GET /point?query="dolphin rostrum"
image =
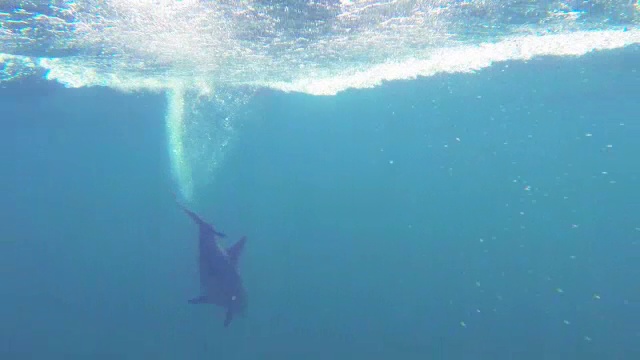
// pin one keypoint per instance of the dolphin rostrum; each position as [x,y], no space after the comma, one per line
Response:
[220,281]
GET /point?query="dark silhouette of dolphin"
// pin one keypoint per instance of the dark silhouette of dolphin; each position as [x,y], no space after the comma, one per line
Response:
[220,281]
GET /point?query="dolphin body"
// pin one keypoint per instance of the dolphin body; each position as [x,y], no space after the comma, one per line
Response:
[220,281]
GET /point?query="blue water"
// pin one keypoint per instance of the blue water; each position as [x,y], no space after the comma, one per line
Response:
[491,215]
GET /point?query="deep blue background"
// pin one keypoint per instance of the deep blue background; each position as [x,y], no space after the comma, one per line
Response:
[498,211]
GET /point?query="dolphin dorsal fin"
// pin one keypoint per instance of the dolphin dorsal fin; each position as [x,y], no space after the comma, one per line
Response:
[235,250]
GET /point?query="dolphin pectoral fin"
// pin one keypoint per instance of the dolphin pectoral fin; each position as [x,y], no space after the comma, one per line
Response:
[228,317]
[199,300]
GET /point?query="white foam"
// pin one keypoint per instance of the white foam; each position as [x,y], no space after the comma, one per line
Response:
[15,66]
[461,59]
[331,79]
[76,73]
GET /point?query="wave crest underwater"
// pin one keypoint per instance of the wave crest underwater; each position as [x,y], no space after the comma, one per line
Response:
[219,50]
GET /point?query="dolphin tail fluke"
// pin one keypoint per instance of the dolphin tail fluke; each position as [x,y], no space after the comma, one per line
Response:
[228,317]
[196,218]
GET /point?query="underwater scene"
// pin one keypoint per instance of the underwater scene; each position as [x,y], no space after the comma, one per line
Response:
[320,179]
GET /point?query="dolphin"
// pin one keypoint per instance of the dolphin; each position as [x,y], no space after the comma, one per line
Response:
[220,281]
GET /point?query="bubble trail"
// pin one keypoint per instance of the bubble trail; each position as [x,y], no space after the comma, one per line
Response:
[180,166]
